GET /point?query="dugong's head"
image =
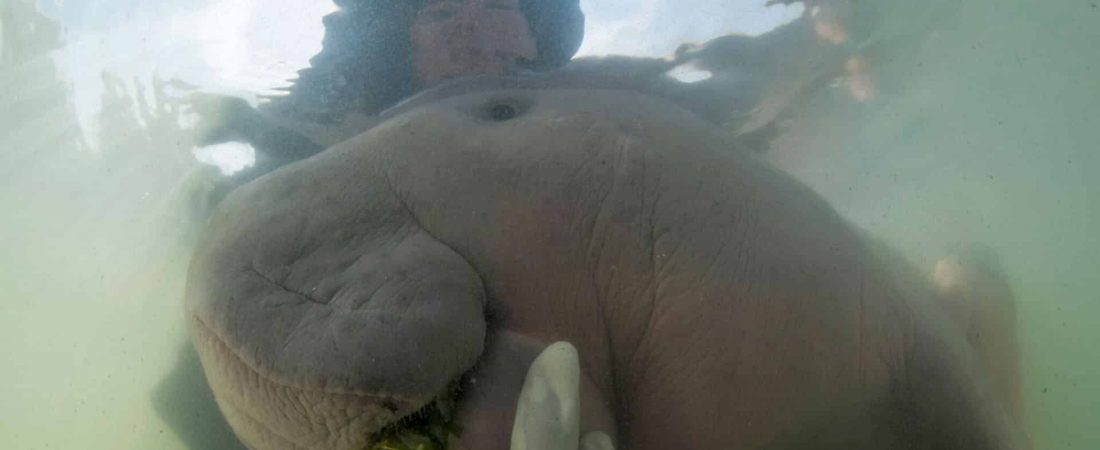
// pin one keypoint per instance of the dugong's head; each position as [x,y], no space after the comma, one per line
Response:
[334,297]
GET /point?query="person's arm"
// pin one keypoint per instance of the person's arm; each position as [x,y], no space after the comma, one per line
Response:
[225,119]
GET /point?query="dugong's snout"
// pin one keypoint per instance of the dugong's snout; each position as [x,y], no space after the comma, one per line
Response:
[320,317]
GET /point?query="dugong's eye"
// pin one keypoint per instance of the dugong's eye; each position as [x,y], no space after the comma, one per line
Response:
[501,112]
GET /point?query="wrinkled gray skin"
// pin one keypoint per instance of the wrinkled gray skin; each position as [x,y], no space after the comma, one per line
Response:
[715,303]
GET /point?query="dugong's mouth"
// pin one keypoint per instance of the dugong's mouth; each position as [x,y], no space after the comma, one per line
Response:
[283,414]
[478,410]
[475,411]
[433,427]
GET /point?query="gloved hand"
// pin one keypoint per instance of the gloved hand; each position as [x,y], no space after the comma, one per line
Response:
[548,410]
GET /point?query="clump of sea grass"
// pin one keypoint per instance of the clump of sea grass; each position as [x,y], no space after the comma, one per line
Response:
[430,428]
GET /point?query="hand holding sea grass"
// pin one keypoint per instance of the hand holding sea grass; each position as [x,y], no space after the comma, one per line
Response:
[547,413]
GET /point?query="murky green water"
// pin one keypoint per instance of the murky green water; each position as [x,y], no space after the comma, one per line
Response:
[978,124]
[989,136]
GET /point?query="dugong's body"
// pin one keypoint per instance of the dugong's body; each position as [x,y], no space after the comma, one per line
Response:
[715,303]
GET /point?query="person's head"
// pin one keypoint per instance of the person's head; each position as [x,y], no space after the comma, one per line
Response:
[453,38]
[378,52]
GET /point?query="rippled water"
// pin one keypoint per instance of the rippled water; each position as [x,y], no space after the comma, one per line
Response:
[942,123]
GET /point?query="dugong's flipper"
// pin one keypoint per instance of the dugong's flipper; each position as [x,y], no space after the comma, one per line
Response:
[976,294]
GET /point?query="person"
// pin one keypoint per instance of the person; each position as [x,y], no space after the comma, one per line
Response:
[379,52]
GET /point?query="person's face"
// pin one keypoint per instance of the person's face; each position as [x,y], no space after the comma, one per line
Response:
[452,38]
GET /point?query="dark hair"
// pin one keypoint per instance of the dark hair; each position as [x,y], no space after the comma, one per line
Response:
[366,63]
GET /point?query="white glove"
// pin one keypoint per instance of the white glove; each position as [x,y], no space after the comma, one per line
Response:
[548,410]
